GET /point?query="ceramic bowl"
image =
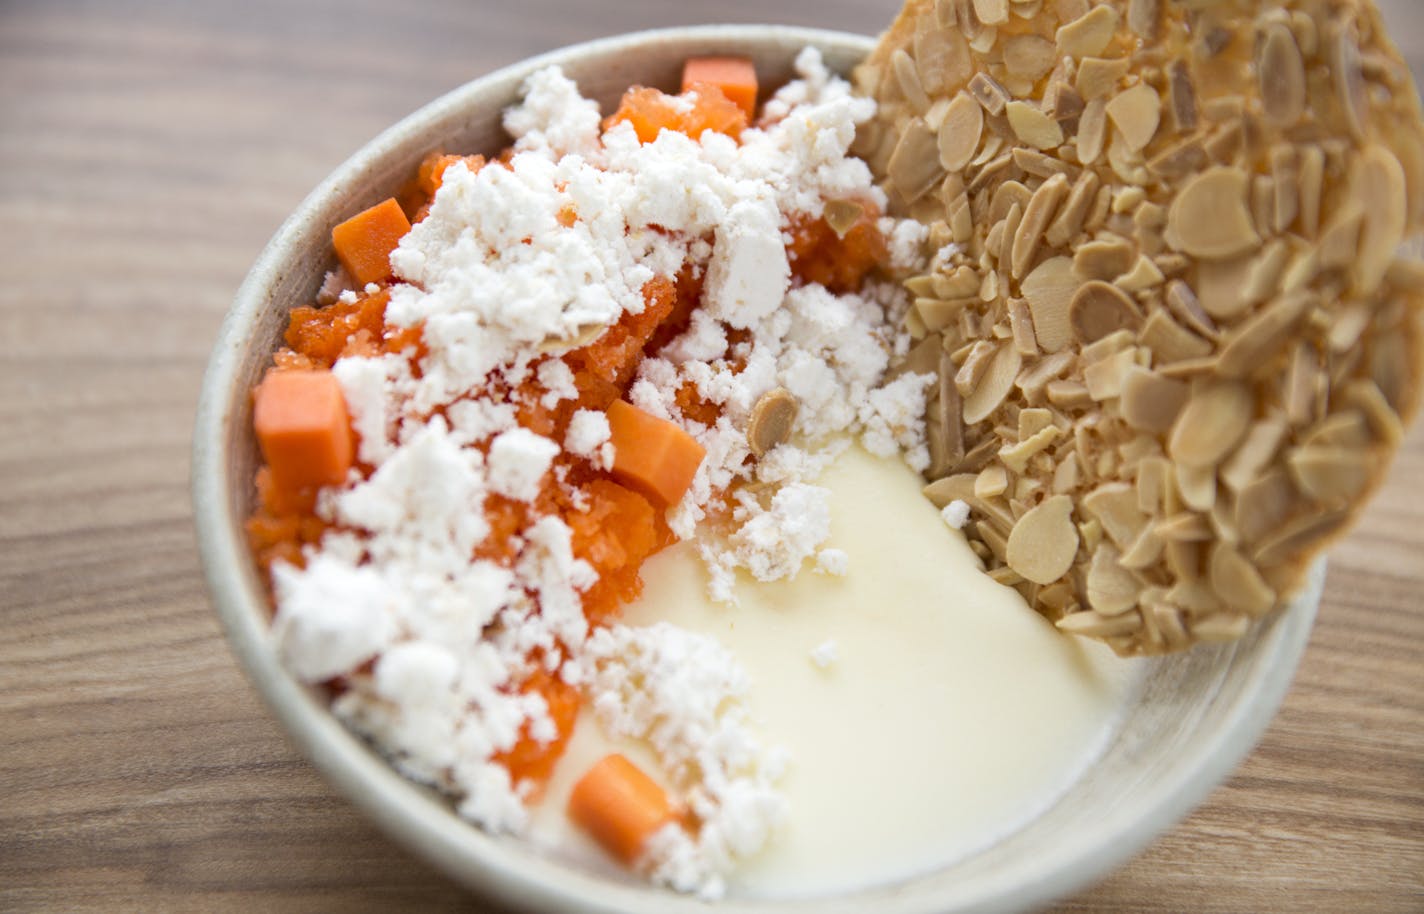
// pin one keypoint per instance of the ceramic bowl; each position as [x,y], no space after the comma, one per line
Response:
[1199,714]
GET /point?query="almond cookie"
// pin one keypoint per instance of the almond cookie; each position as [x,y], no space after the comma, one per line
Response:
[1175,338]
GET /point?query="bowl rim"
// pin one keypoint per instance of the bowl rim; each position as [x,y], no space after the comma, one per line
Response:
[513,872]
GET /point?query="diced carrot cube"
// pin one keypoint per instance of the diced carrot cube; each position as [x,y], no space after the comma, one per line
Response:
[735,76]
[303,428]
[652,456]
[620,806]
[364,242]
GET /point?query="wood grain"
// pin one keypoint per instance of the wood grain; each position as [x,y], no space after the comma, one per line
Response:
[147,150]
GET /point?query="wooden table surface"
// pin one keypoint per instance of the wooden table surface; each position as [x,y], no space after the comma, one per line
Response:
[148,148]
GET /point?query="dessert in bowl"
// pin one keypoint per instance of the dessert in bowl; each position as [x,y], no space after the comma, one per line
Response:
[1179,727]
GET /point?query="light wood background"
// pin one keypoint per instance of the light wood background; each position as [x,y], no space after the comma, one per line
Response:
[148,148]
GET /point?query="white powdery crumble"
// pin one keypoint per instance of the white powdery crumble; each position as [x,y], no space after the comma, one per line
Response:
[825,654]
[588,436]
[682,692]
[518,460]
[431,643]
[956,513]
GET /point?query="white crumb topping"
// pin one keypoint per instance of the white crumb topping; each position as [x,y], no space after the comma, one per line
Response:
[553,118]
[431,640]
[557,379]
[518,460]
[773,543]
[331,618]
[832,561]
[588,437]
[906,240]
[682,692]
[956,513]
[826,654]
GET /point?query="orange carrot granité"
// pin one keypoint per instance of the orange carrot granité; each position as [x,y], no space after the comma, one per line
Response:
[701,108]
[620,807]
[652,456]
[838,259]
[734,76]
[303,428]
[364,242]
[530,761]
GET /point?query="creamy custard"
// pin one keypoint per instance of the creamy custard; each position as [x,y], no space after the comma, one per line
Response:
[951,714]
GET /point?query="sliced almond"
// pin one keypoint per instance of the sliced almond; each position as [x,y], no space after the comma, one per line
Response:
[1049,289]
[842,215]
[1219,627]
[1145,551]
[583,335]
[1021,322]
[1034,379]
[1029,56]
[1098,309]
[1144,18]
[1099,77]
[1196,486]
[1112,589]
[991,482]
[1183,527]
[1181,97]
[1312,178]
[1299,535]
[1114,505]
[1184,304]
[1179,159]
[1136,112]
[998,380]
[1073,211]
[1096,625]
[1212,423]
[1265,504]
[942,55]
[1209,219]
[908,76]
[1042,165]
[974,366]
[1041,208]
[1092,131]
[990,95]
[1068,394]
[1256,451]
[1384,421]
[1043,542]
[914,166]
[772,420]
[1349,81]
[1109,345]
[1017,456]
[1167,619]
[1089,34]
[1171,342]
[959,487]
[1330,475]
[1248,346]
[1102,259]
[1143,275]
[960,132]
[991,12]
[1377,183]
[1281,72]
[1032,126]
[1151,402]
